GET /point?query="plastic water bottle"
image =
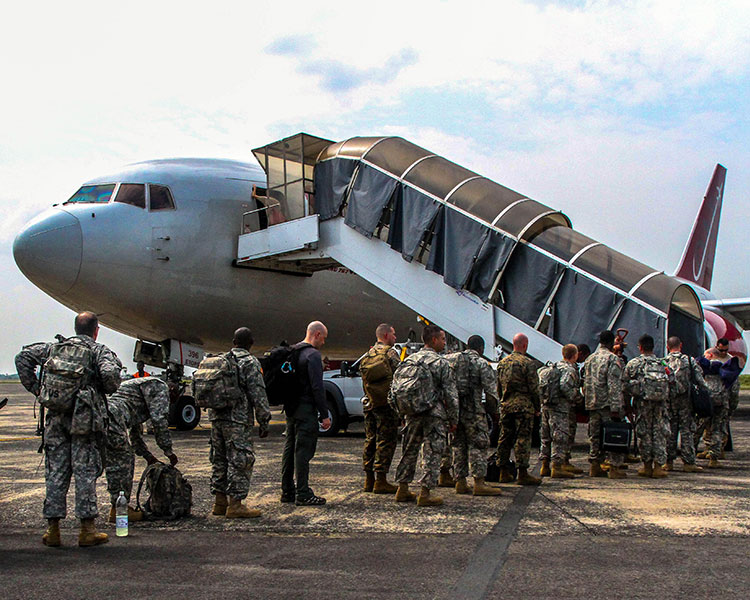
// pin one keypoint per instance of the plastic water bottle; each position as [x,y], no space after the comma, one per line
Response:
[121,515]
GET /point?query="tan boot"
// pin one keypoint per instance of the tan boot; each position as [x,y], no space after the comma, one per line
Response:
[668,466]
[52,536]
[525,479]
[461,486]
[89,536]
[445,480]
[572,468]
[424,498]
[616,473]
[220,505]
[595,470]
[381,485]
[403,494]
[646,470]
[133,515]
[545,471]
[482,489]
[686,468]
[658,471]
[713,463]
[703,454]
[559,472]
[369,481]
[237,510]
[505,475]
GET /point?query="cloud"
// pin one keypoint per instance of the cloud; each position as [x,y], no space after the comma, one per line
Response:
[292,45]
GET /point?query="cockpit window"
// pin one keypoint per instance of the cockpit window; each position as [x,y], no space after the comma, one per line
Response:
[132,193]
[93,194]
[161,198]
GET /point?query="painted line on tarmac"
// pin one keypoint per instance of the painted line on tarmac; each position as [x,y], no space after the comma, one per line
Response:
[489,556]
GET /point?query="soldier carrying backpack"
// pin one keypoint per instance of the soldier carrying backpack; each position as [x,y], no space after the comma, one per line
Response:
[78,372]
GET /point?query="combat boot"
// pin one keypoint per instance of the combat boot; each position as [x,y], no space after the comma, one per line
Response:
[658,472]
[133,515]
[381,485]
[445,479]
[545,471]
[220,505]
[668,466]
[403,494]
[559,472]
[369,481]
[595,470]
[52,536]
[525,479]
[646,470]
[713,463]
[572,468]
[424,498]
[482,489]
[237,510]
[505,475]
[691,468]
[461,486]
[616,473]
[703,454]
[89,536]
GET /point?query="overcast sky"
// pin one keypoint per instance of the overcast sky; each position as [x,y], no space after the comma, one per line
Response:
[613,112]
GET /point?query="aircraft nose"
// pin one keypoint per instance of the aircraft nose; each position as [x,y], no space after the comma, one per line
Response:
[48,250]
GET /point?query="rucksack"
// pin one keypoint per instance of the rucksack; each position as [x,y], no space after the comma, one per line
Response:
[681,376]
[68,369]
[170,494]
[655,385]
[216,382]
[549,384]
[459,362]
[377,374]
[281,377]
[700,398]
[412,389]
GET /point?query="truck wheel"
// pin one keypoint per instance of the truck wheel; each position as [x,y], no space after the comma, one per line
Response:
[186,414]
[333,414]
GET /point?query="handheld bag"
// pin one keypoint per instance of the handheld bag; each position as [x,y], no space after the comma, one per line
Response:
[412,390]
[170,494]
[67,370]
[700,398]
[216,383]
[375,369]
[616,436]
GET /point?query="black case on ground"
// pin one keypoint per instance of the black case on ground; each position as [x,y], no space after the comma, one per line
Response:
[616,436]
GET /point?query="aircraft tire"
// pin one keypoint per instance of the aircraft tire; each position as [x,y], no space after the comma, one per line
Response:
[186,414]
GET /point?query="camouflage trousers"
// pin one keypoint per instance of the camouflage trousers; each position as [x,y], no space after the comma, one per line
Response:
[682,424]
[716,430]
[67,455]
[652,428]
[572,426]
[470,444]
[381,435]
[232,458]
[596,454]
[515,434]
[120,455]
[555,434]
[428,434]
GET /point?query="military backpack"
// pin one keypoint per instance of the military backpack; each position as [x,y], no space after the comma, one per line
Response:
[412,390]
[68,369]
[377,374]
[656,378]
[464,373]
[170,494]
[216,382]
[549,384]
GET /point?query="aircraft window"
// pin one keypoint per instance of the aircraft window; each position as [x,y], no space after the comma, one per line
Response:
[161,198]
[94,194]
[132,193]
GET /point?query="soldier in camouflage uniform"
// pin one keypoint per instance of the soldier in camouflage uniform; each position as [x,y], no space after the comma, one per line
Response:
[68,453]
[232,454]
[428,431]
[518,382]
[473,375]
[651,400]
[381,421]
[681,420]
[583,353]
[135,402]
[602,391]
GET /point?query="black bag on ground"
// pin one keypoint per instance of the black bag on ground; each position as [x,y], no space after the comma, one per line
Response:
[280,374]
[170,494]
[616,436]
[700,398]
[493,471]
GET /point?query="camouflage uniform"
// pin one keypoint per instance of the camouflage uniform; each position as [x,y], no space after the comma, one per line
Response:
[652,424]
[429,431]
[518,380]
[681,420]
[381,426]
[67,453]
[556,417]
[232,455]
[602,390]
[714,434]
[472,437]
[137,401]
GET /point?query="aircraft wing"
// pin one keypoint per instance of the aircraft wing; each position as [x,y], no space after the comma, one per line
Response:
[739,308]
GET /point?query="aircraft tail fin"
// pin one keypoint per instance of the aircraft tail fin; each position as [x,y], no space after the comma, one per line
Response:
[697,264]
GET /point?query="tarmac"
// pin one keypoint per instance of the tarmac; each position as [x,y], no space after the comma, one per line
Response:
[686,535]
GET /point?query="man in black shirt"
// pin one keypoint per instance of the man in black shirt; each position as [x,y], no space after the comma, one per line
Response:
[302,423]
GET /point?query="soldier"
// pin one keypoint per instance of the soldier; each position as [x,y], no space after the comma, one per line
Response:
[602,391]
[428,430]
[135,402]
[381,421]
[721,353]
[232,455]
[77,373]
[681,421]
[519,384]
[583,353]
[564,391]
[648,379]
[473,375]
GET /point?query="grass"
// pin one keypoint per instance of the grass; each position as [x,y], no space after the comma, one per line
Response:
[745,382]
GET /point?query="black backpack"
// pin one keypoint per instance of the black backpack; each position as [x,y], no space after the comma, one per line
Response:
[280,374]
[700,398]
[170,494]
